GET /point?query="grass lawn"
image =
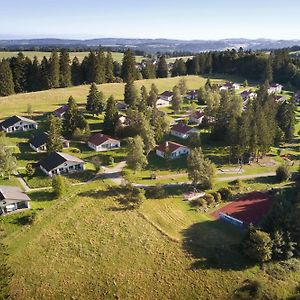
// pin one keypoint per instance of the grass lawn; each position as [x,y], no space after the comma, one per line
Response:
[83,246]
[117,56]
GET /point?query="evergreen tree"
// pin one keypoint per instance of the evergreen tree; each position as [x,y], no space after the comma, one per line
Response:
[148,136]
[58,186]
[177,100]
[130,94]
[33,77]
[153,95]
[64,69]
[54,141]
[100,68]
[109,68]
[6,79]
[160,123]
[44,74]
[148,70]
[111,116]
[136,158]
[76,72]
[182,86]
[162,68]
[95,101]
[19,71]
[128,71]
[54,70]
[71,115]
[143,100]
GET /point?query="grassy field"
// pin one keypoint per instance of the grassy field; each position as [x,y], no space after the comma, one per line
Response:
[80,55]
[85,247]
[47,101]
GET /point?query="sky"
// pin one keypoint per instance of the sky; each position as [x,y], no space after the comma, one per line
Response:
[185,19]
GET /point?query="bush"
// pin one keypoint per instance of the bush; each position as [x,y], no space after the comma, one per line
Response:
[251,289]
[236,184]
[282,173]
[226,193]
[209,199]
[156,192]
[58,186]
[217,196]
[29,170]
[75,150]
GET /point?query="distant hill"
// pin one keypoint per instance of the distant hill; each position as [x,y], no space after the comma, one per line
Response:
[154,45]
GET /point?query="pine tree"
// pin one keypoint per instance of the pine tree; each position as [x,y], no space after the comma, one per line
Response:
[162,68]
[136,158]
[54,141]
[6,79]
[18,68]
[182,86]
[95,101]
[129,72]
[109,68]
[44,74]
[58,186]
[65,69]
[177,100]
[70,120]
[100,68]
[33,80]
[76,72]
[148,71]
[153,95]
[148,136]
[54,70]
[130,94]
[142,107]
[111,116]
[160,124]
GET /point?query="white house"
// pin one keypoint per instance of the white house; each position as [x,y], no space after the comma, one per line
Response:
[171,150]
[12,198]
[18,124]
[248,95]
[38,143]
[229,86]
[182,130]
[167,95]
[280,99]
[61,163]
[275,88]
[60,112]
[197,117]
[192,95]
[102,142]
[162,103]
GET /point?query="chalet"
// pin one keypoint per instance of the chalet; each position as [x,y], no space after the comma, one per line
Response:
[275,88]
[229,86]
[12,198]
[60,112]
[38,143]
[61,163]
[167,95]
[102,142]
[18,124]
[182,130]
[248,95]
[197,117]
[192,95]
[162,102]
[171,150]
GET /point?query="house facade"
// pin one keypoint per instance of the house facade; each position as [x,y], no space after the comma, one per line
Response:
[182,130]
[101,142]
[18,124]
[171,150]
[229,86]
[162,103]
[275,88]
[197,117]
[58,163]
[167,95]
[12,198]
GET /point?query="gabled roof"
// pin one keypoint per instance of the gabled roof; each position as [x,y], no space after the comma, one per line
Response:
[167,94]
[193,93]
[198,114]
[55,159]
[15,119]
[182,128]
[60,110]
[275,85]
[169,147]
[12,193]
[99,138]
[39,140]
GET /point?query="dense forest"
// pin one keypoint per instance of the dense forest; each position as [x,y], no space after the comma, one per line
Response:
[21,74]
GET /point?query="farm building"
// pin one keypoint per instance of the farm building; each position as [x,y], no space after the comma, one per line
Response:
[197,117]
[12,198]
[172,150]
[61,163]
[182,130]
[60,112]
[18,124]
[275,88]
[38,143]
[102,142]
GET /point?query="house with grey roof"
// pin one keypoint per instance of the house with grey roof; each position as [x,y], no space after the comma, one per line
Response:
[39,142]
[58,163]
[12,198]
[18,124]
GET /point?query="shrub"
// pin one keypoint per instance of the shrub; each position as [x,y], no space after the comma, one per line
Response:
[282,173]
[217,196]
[75,150]
[111,160]
[156,192]
[236,184]
[209,199]
[251,289]
[29,170]
[226,193]
[58,186]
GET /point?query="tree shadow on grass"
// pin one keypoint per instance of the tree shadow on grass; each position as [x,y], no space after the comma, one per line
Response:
[40,196]
[263,180]
[214,245]
[24,218]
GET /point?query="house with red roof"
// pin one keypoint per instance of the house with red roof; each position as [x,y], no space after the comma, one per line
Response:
[101,142]
[197,117]
[182,130]
[171,150]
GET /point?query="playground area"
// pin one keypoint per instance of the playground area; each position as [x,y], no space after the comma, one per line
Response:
[250,208]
